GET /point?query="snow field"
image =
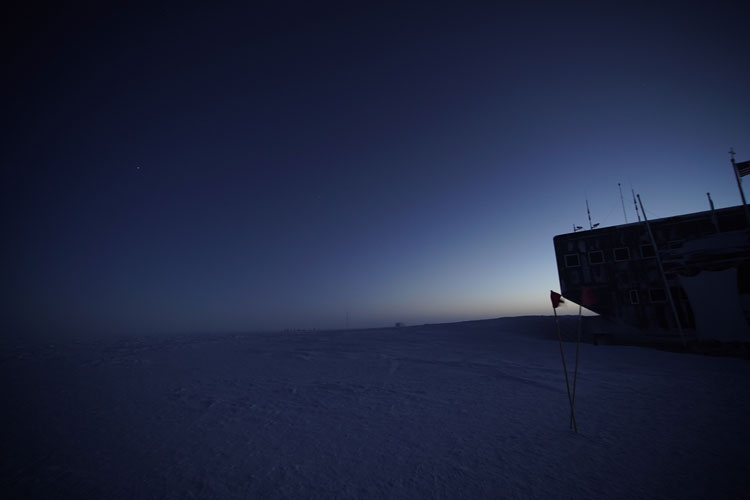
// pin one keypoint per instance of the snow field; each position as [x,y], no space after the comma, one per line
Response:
[465,410]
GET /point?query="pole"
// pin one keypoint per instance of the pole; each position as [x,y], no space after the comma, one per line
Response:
[589,214]
[575,371]
[663,275]
[636,205]
[622,200]
[565,370]
[710,201]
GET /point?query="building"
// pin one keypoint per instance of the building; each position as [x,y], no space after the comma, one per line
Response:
[703,291]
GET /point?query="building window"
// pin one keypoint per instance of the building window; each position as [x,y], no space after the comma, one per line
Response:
[634,297]
[622,253]
[572,260]
[657,295]
[675,244]
[596,257]
[647,251]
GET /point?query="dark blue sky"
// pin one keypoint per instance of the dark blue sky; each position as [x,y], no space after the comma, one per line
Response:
[277,166]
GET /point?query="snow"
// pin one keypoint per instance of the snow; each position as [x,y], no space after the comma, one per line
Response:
[465,410]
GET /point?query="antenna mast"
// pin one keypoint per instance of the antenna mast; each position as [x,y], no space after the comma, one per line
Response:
[591,226]
[663,275]
[622,200]
[636,205]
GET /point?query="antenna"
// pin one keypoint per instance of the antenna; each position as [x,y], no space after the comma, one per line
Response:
[636,205]
[663,275]
[622,200]
[591,226]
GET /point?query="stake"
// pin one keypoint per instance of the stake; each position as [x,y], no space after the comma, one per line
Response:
[575,371]
[565,370]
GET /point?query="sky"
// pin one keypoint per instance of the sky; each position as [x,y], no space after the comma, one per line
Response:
[311,165]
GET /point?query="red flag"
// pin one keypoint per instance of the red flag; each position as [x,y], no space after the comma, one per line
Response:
[556,299]
[587,297]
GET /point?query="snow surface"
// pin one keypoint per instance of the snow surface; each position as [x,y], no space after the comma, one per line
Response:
[465,410]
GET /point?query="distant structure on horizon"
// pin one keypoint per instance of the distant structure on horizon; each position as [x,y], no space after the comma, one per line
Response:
[684,277]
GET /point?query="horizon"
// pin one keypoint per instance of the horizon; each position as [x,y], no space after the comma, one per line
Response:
[252,168]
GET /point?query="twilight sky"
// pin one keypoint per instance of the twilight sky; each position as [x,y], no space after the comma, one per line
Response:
[282,165]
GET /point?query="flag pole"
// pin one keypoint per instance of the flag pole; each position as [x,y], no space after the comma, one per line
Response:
[575,371]
[565,369]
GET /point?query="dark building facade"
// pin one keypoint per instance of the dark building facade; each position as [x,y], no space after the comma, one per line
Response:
[705,256]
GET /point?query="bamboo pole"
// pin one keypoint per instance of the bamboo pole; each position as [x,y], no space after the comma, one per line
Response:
[565,370]
[575,371]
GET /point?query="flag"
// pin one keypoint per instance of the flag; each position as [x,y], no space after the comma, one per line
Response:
[743,168]
[587,297]
[556,299]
